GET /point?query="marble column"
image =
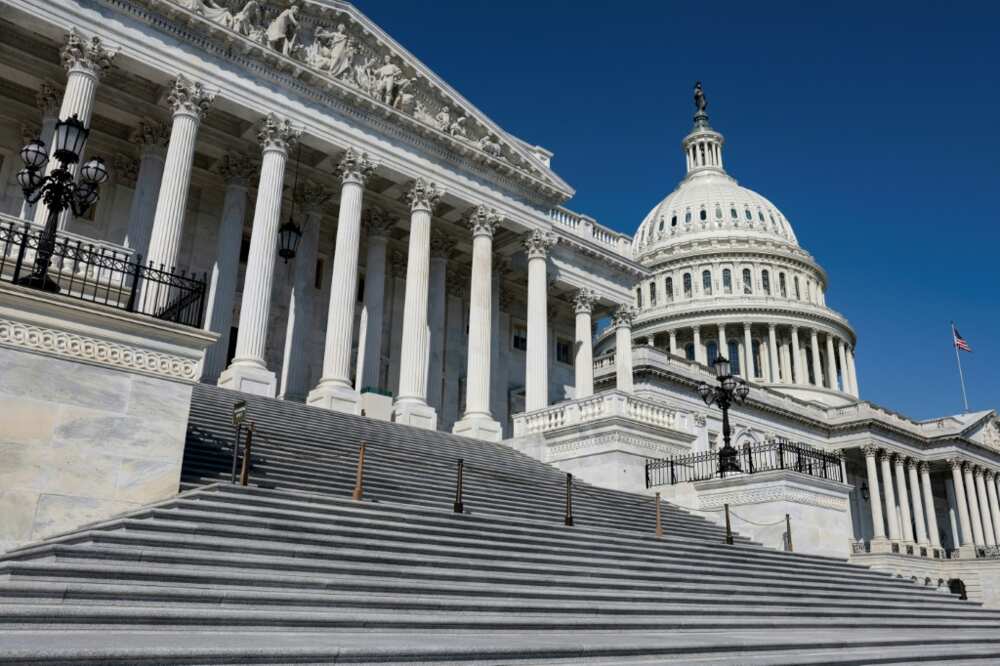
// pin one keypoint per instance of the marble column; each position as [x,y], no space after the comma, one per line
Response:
[772,350]
[673,342]
[816,362]
[583,363]
[622,323]
[456,346]
[890,497]
[48,100]
[442,247]
[537,246]
[991,494]
[151,137]
[904,501]
[335,390]
[798,374]
[700,354]
[989,538]
[746,362]
[879,541]
[312,199]
[411,406]
[916,503]
[831,364]
[368,374]
[237,171]
[929,510]
[853,372]
[248,371]
[86,61]
[723,345]
[478,421]
[975,520]
[964,519]
[845,379]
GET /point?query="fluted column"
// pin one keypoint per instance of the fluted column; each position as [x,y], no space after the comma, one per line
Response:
[964,519]
[537,246]
[673,343]
[929,510]
[890,497]
[723,345]
[991,494]
[48,100]
[975,520]
[368,374]
[237,172]
[853,373]
[798,376]
[248,371]
[477,421]
[442,247]
[845,378]
[699,349]
[831,364]
[916,503]
[411,405]
[904,501]
[151,137]
[875,498]
[583,363]
[746,362]
[622,323]
[989,538]
[335,390]
[817,363]
[312,200]
[86,61]
[772,350]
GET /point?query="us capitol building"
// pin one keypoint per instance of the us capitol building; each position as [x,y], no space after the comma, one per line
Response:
[324,220]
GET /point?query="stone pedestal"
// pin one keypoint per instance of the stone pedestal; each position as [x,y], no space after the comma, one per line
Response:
[479,426]
[376,406]
[419,415]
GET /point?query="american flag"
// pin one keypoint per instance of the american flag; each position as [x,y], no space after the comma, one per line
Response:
[960,342]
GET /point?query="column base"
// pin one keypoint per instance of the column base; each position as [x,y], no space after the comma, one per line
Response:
[249,378]
[479,426]
[967,551]
[335,397]
[880,545]
[416,414]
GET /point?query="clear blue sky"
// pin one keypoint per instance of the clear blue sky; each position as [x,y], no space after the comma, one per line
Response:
[872,126]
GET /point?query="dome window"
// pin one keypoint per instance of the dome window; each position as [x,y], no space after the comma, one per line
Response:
[765,282]
[747,282]
[712,348]
[687,217]
[668,289]
[798,292]
[703,215]
[673,221]
[782,287]
[706,282]
[773,223]
[760,215]
[687,285]
[660,226]
[689,351]
[733,214]
[727,281]
[748,214]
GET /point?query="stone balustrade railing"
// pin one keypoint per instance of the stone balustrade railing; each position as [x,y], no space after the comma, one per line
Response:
[587,227]
[608,404]
[111,249]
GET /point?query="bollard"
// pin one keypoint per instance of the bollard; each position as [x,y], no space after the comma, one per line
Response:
[359,480]
[459,507]
[569,500]
[659,525]
[729,529]
[788,531]
[245,472]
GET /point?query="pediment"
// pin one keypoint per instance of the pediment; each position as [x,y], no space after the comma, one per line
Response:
[987,433]
[333,47]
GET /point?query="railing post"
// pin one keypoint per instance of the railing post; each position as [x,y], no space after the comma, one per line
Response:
[20,252]
[648,461]
[781,455]
[673,473]
[136,275]
[359,479]
[569,500]
[788,531]
[458,506]
[729,529]
[245,473]
[236,453]
[659,525]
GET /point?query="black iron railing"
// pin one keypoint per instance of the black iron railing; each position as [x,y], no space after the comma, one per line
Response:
[770,456]
[89,271]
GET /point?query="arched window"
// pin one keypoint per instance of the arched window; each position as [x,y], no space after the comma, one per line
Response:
[782,288]
[765,282]
[734,357]
[713,351]
[703,215]
[760,215]
[687,217]
[668,290]
[747,281]
[748,214]
[687,285]
[652,294]
[706,282]
[727,281]
[798,293]
[689,351]
[673,221]
[732,213]
[659,227]
[718,212]
[638,297]
[755,355]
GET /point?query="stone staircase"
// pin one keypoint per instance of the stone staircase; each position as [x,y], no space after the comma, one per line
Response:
[291,570]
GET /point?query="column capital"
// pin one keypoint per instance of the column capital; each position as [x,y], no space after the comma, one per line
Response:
[377,222]
[483,221]
[885,456]
[583,301]
[442,244]
[126,169]
[275,133]
[397,264]
[771,326]
[150,135]
[355,167]
[956,463]
[236,169]
[870,450]
[623,316]
[424,195]
[189,98]
[898,459]
[538,243]
[989,474]
[48,99]
[88,55]
[977,471]
[457,281]
[911,463]
[925,467]
[312,197]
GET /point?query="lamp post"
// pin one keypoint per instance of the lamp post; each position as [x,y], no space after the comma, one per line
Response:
[58,190]
[731,390]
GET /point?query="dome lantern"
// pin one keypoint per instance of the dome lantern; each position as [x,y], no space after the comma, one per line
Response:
[703,146]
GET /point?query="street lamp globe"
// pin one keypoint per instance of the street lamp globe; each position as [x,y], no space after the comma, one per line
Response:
[742,390]
[720,366]
[34,154]
[705,391]
[70,136]
[29,179]
[94,172]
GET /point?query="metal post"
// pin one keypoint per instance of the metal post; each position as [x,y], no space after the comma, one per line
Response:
[781,455]
[458,506]
[136,276]
[647,473]
[236,452]
[359,480]
[569,500]
[245,473]
[673,472]
[659,525]
[788,531]
[729,529]
[20,252]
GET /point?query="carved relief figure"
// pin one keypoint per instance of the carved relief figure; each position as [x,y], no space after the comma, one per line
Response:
[339,53]
[490,145]
[388,78]
[443,119]
[247,21]
[283,31]
[458,130]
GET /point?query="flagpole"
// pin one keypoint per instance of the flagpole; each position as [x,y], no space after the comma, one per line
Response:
[961,375]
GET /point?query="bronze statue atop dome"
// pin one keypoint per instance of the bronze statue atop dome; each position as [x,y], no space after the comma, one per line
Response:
[700,103]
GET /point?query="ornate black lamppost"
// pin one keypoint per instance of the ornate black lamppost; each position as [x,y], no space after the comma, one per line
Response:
[730,390]
[57,190]
[290,233]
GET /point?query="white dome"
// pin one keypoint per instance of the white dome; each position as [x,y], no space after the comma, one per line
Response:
[705,204]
